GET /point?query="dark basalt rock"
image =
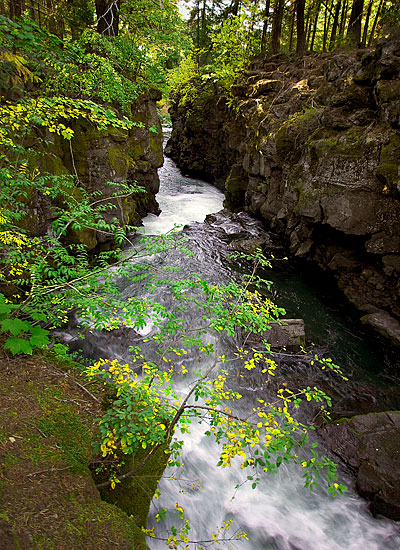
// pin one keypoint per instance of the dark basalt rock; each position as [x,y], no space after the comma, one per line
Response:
[311,146]
[385,324]
[370,445]
[99,156]
[289,334]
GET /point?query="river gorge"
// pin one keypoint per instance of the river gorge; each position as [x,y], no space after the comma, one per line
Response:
[280,514]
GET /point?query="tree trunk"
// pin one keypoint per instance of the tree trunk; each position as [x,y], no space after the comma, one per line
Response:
[301,34]
[291,34]
[308,26]
[107,12]
[315,24]
[16,8]
[51,17]
[265,25]
[327,22]
[366,24]
[354,28]
[335,25]
[343,17]
[378,13]
[198,25]
[235,7]
[277,26]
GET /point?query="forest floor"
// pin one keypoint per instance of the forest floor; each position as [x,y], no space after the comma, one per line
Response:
[48,499]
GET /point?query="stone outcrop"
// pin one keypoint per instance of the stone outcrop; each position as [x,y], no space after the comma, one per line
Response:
[370,445]
[288,334]
[96,157]
[312,147]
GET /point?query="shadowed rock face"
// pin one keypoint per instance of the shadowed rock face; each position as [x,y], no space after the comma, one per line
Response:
[96,157]
[370,445]
[312,147]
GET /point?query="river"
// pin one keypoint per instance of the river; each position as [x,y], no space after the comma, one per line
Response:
[280,514]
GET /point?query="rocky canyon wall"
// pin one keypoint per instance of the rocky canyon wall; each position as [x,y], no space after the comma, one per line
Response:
[95,157]
[312,147]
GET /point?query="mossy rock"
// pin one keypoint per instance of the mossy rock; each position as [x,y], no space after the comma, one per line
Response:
[370,445]
[235,189]
[294,133]
[266,86]
[85,236]
[119,161]
[136,150]
[388,90]
[388,170]
[347,144]
[134,495]
[156,149]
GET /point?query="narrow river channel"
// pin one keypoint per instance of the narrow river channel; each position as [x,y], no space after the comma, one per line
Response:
[280,514]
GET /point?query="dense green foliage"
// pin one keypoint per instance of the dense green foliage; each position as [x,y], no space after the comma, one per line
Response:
[227,34]
[92,66]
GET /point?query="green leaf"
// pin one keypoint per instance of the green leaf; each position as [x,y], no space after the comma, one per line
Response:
[18,345]
[15,326]
[5,309]
[36,316]
[39,331]
[39,341]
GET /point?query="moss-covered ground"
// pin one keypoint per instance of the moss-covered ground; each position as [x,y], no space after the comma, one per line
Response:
[48,499]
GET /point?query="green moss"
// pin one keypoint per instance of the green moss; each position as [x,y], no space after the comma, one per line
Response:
[306,193]
[156,148]
[43,543]
[85,236]
[317,135]
[119,161]
[142,118]
[61,424]
[52,163]
[108,522]
[388,90]
[131,216]
[295,132]
[134,495]
[3,435]
[347,145]
[72,437]
[284,143]
[54,430]
[388,170]
[235,191]
[79,146]
[9,460]
[296,174]
[135,149]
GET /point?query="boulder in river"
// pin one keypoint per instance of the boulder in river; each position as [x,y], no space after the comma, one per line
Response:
[370,445]
[288,334]
[385,324]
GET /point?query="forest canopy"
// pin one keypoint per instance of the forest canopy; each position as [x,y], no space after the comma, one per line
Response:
[218,32]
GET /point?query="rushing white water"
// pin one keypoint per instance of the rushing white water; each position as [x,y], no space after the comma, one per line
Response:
[182,200]
[280,514]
